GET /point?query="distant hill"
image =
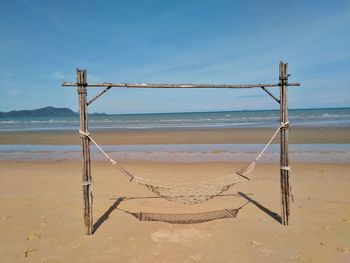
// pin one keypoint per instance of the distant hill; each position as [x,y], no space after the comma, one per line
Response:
[47,111]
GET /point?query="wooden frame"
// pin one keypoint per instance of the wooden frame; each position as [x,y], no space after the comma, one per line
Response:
[82,86]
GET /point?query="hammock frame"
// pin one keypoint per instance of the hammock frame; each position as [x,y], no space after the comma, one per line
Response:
[283,85]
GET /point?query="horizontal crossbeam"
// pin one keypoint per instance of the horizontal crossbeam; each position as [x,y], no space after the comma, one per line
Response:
[177,86]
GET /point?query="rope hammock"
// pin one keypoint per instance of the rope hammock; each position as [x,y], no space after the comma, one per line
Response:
[190,193]
[192,218]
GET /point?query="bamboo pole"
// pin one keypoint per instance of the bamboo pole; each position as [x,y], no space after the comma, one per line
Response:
[85,143]
[178,86]
[97,96]
[284,162]
[270,94]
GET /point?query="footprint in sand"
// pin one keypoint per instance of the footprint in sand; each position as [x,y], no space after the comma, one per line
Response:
[343,249]
[346,220]
[252,243]
[196,257]
[33,236]
[29,252]
[323,244]
[329,228]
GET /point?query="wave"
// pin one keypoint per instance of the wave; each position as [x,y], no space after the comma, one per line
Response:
[338,117]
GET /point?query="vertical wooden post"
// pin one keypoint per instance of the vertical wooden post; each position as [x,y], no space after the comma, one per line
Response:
[284,162]
[85,143]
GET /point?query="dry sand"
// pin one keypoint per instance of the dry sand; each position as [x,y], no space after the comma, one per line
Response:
[41,215]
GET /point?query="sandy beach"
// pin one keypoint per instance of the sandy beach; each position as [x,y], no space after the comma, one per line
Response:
[174,132]
[41,219]
[41,204]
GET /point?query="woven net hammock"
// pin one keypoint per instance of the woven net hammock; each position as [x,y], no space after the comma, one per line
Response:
[192,218]
[189,193]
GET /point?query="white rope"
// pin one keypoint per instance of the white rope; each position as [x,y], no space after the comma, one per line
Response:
[102,151]
[186,193]
[272,138]
[131,177]
[286,168]
[87,183]
[114,162]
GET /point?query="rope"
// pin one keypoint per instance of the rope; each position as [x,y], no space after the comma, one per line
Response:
[131,177]
[188,193]
[87,183]
[286,124]
[286,168]
[114,162]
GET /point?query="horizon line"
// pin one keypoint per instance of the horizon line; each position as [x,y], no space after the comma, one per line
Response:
[181,112]
[242,110]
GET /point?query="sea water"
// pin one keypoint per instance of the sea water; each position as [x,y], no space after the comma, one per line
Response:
[330,153]
[334,117]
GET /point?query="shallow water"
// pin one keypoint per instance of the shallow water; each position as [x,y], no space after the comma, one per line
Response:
[328,153]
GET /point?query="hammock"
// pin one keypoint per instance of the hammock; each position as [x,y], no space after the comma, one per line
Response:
[190,193]
[192,218]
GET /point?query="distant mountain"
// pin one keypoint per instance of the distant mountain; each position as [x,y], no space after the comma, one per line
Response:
[47,111]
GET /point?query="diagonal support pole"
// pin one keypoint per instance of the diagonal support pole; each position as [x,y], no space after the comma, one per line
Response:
[271,95]
[98,95]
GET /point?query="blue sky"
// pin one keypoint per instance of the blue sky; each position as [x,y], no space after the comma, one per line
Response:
[232,42]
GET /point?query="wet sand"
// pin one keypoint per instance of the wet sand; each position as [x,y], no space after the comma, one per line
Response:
[298,135]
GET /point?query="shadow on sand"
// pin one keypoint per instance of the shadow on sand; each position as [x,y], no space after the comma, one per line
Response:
[274,215]
[118,200]
[106,214]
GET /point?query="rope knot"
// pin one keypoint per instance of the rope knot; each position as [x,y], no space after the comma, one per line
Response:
[84,134]
[284,125]
[81,89]
[285,168]
[87,183]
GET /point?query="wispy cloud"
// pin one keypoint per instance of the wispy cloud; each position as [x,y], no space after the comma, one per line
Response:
[58,75]
[12,93]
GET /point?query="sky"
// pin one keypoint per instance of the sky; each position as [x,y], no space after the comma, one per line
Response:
[223,42]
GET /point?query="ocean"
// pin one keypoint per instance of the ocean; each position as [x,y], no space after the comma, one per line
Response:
[334,117]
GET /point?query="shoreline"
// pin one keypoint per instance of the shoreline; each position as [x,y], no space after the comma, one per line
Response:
[181,153]
[297,135]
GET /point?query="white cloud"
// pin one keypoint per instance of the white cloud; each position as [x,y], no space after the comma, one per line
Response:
[58,75]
